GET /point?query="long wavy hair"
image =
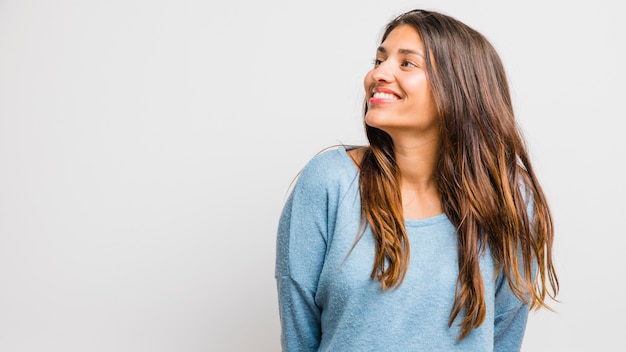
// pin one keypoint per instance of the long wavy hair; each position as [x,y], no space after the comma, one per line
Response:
[485,179]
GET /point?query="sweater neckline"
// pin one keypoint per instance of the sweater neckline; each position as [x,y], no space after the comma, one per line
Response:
[435,219]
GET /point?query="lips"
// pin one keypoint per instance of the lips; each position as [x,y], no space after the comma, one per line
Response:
[383,95]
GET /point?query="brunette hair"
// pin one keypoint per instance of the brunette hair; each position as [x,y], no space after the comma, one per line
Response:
[486,182]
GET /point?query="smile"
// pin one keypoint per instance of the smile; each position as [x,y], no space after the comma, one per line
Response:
[384,96]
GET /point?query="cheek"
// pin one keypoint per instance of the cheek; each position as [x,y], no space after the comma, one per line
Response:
[420,89]
[417,83]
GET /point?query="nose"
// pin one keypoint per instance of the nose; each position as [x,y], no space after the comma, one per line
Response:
[382,72]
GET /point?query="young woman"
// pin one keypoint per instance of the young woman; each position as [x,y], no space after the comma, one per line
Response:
[437,235]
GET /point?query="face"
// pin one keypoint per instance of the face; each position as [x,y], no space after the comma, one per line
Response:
[398,93]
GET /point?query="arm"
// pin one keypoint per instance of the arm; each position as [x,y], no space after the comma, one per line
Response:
[300,251]
[510,325]
[511,314]
[299,316]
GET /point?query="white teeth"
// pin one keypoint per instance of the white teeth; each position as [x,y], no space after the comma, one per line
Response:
[387,96]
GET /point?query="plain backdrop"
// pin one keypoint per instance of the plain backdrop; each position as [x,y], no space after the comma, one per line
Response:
[147,147]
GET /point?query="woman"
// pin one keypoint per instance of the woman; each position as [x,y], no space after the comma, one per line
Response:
[437,235]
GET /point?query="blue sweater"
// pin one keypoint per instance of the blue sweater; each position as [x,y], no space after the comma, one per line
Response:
[327,300]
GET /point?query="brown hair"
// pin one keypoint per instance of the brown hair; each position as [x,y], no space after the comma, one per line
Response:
[485,178]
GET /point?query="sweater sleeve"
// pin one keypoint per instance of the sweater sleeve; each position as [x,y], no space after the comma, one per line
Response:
[511,314]
[510,319]
[300,252]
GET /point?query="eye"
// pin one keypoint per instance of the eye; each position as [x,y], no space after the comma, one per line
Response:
[376,62]
[407,63]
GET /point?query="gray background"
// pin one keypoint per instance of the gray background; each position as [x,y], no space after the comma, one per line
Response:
[146,149]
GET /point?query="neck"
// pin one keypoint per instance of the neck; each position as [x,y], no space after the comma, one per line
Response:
[417,163]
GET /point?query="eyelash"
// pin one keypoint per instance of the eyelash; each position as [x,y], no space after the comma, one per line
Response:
[405,63]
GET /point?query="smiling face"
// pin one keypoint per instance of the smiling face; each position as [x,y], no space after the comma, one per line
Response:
[398,93]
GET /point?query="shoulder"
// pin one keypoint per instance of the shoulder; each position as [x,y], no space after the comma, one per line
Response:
[334,163]
[327,172]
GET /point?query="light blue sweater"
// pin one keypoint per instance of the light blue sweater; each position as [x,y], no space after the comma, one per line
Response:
[328,304]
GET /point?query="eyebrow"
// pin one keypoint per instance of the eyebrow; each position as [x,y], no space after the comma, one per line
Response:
[382,50]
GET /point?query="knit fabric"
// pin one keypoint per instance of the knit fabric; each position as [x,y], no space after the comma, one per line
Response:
[327,300]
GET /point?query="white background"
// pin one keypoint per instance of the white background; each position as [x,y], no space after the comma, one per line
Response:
[146,148]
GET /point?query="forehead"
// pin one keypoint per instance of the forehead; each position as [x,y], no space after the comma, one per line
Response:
[404,35]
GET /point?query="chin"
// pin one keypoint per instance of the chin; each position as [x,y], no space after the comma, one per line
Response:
[375,121]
